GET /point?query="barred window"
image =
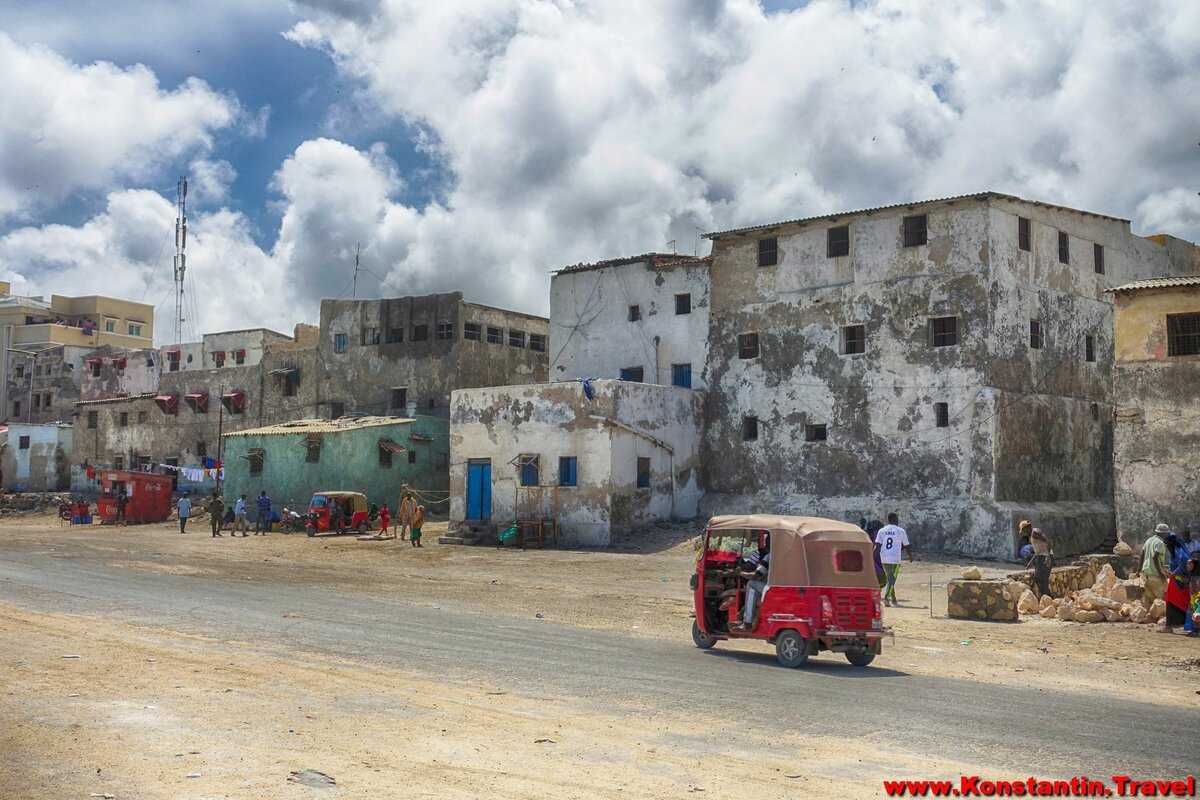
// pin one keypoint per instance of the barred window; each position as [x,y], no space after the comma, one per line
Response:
[1183,334]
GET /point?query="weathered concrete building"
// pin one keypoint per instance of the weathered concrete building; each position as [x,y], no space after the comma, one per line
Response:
[624,457]
[643,318]
[373,455]
[37,458]
[1156,399]
[241,348]
[950,360]
[405,355]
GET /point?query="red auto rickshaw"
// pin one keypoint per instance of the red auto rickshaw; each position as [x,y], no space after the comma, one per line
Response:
[821,592]
[349,509]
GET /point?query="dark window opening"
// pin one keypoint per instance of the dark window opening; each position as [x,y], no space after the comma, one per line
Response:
[433,403]
[1183,335]
[420,333]
[633,374]
[537,342]
[567,475]
[1095,409]
[339,343]
[118,462]
[1036,340]
[768,252]
[256,457]
[1098,256]
[95,370]
[412,456]
[312,450]
[219,357]
[143,416]
[837,241]
[123,419]
[23,444]
[516,338]
[943,331]
[747,345]
[681,375]
[854,339]
[749,429]
[337,410]
[1064,248]
[815,433]
[201,449]
[472,331]
[385,456]
[1023,241]
[445,330]
[635,313]
[529,469]
[941,412]
[370,336]
[847,561]
[16,408]
[495,336]
[400,398]
[19,370]
[916,231]
[683,304]
[239,356]
[395,335]
[643,473]
[37,402]
[93,419]
[1089,348]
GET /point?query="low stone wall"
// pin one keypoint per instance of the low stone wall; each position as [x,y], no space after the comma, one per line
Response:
[991,599]
[1124,566]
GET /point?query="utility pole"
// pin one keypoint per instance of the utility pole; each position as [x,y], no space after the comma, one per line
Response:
[180,254]
[354,290]
[220,441]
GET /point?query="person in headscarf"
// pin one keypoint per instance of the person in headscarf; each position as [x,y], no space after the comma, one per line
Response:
[1178,585]
[1024,546]
[1042,560]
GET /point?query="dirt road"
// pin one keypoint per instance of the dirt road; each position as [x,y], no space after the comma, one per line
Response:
[430,670]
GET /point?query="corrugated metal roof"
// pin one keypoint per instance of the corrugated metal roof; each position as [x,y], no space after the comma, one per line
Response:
[911,204]
[302,426]
[657,260]
[1159,283]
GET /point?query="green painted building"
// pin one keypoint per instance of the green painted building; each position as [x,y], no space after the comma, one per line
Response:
[372,455]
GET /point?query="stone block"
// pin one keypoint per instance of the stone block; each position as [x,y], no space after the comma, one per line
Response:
[990,600]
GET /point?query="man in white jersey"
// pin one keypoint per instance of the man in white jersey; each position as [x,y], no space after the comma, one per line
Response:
[893,543]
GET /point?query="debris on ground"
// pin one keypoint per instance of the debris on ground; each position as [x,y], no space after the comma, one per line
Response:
[312,778]
[1109,599]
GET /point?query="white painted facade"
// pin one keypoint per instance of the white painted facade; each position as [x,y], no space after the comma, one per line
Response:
[592,335]
[607,435]
[36,458]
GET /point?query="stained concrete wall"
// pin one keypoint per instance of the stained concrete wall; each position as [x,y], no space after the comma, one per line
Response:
[362,378]
[103,376]
[43,466]
[1028,431]
[254,341]
[624,421]
[591,335]
[1157,416]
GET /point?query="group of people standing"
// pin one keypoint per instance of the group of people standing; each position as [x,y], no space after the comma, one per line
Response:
[1171,569]
[219,516]
[890,546]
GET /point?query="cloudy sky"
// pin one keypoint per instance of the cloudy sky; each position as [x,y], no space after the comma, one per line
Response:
[479,144]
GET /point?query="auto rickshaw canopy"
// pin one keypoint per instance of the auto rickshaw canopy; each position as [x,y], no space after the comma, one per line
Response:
[810,551]
[358,500]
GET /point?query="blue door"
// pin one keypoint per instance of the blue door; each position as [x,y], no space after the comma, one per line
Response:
[479,490]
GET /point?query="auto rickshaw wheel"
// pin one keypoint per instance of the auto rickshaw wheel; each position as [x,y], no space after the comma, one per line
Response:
[791,649]
[310,530]
[702,639]
[362,528]
[859,656]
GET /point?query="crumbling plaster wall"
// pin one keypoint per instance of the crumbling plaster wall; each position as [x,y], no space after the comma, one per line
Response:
[1157,416]
[553,420]
[44,466]
[591,335]
[884,451]
[362,378]
[54,374]
[254,341]
[140,374]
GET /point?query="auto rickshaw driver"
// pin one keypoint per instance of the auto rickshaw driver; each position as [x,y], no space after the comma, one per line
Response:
[757,566]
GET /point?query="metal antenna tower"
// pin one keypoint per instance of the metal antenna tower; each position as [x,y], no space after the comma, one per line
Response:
[180,254]
[354,289]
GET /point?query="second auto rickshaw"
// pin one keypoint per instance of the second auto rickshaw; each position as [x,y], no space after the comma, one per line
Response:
[338,512]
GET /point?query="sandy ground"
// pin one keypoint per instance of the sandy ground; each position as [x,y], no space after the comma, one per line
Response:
[144,708]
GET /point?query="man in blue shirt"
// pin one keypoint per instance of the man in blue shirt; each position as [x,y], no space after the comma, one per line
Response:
[185,510]
[263,523]
[239,517]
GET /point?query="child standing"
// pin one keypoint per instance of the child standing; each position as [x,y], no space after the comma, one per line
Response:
[418,520]
[385,518]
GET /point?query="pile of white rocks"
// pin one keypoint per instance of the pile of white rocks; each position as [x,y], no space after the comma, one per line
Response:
[1108,600]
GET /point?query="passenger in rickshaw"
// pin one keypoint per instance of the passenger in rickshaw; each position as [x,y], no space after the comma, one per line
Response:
[335,516]
[757,565]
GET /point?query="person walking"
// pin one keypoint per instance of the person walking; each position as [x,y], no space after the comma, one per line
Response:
[1154,563]
[404,514]
[1178,593]
[893,543]
[385,518]
[122,502]
[239,518]
[185,509]
[1042,560]
[262,525]
[216,513]
[418,519]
